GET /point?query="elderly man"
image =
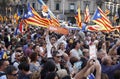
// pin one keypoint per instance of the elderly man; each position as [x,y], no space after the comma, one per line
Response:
[108,68]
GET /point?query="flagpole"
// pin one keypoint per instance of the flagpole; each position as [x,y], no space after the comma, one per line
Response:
[63,7]
[41,2]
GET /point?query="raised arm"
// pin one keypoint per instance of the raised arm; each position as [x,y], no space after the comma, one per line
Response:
[98,69]
[112,50]
[85,71]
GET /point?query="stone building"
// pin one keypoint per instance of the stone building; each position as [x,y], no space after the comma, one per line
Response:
[66,9]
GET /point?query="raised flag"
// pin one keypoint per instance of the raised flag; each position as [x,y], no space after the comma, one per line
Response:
[96,28]
[59,30]
[54,22]
[1,18]
[107,12]
[101,19]
[116,17]
[78,18]
[87,15]
[17,16]
[33,18]
[25,25]
[21,27]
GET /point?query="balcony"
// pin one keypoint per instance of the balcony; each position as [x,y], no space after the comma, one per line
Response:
[45,1]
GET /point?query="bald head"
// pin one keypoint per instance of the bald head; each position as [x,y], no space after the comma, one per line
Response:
[106,60]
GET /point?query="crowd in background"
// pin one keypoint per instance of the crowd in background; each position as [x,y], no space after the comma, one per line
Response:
[41,54]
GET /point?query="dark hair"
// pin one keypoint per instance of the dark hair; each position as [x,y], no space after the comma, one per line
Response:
[33,56]
[10,69]
[17,46]
[54,53]
[2,62]
[66,77]
[99,45]
[105,62]
[24,59]
[51,75]
[53,36]
[104,76]
[24,66]
[49,66]
[117,74]
[75,43]
[34,47]
[73,60]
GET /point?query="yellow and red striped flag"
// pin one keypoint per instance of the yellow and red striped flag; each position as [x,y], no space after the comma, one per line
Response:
[87,15]
[78,19]
[1,18]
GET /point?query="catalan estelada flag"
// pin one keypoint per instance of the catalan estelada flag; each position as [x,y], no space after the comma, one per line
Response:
[86,15]
[96,28]
[54,22]
[17,16]
[78,18]
[101,19]
[33,18]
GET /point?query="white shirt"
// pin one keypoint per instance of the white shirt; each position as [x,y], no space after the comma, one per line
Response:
[49,45]
[13,57]
[3,76]
[16,65]
[76,53]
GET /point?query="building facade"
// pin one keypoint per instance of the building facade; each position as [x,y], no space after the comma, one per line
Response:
[66,9]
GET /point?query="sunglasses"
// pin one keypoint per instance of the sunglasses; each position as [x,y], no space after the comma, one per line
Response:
[18,50]
[14,74]
[58,56]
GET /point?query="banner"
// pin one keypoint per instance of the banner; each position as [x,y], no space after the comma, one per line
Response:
[58,30]
[92,51]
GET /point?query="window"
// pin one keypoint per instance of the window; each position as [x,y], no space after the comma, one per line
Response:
[57,6]
[72,7]
[33,5]
[86,3]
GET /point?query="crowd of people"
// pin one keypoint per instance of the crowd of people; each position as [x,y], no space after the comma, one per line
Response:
[42,54]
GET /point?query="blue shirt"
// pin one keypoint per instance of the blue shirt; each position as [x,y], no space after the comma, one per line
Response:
[109,70]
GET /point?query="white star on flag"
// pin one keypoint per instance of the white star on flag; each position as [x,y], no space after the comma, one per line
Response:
[29,13]
[98,15]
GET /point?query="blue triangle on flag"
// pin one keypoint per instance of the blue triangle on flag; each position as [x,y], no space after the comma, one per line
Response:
[96,15]
[28,13]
